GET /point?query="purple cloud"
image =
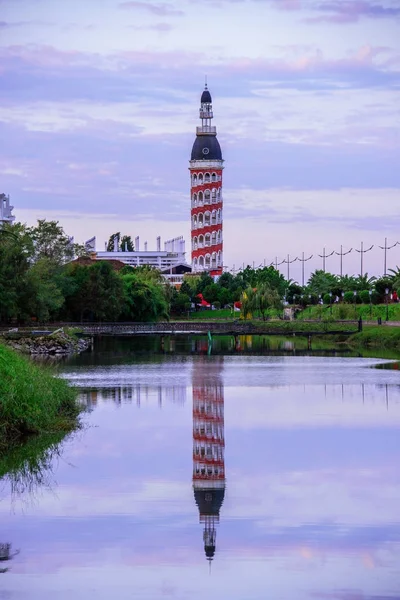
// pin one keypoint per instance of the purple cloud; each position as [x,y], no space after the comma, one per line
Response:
[154,8]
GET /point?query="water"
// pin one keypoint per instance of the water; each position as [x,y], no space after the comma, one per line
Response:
[302,499]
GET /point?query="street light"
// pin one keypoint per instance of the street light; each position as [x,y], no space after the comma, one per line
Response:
[387,306]
[370,303]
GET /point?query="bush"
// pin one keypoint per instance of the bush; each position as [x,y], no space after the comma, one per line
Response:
[32,400]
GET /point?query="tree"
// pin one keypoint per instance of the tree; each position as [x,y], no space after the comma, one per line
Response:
[98,292]
[321,282]
[51,242]
[266,298]
[143,300]
[16,251]
[126,244]
[249,302]
[123,244]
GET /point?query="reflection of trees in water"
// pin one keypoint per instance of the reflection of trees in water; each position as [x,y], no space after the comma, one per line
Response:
[29,466]
[138,394]
[6,554]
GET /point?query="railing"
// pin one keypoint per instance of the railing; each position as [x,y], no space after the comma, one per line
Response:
[206,129]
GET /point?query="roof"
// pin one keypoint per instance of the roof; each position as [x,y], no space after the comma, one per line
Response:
[206,97]
[206,147]
[209,501]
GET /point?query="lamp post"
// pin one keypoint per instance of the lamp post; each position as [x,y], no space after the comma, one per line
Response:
[355,299]
[370,303]
[330,301]
[387,306]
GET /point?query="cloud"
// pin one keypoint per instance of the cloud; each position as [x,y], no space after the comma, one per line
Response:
[351,11]
[154,8]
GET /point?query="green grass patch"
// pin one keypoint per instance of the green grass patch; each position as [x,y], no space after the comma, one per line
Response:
[351,312]
[32,399]
[209,315]
[377,337]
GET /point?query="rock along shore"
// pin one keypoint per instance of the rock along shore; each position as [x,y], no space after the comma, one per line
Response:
[58,343]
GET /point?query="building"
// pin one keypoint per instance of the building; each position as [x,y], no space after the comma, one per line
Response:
[206,166]
[6,209]
[171,261]
[208,448]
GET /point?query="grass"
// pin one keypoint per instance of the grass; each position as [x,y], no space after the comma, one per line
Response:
[32,400]
[377,337]
[351,312]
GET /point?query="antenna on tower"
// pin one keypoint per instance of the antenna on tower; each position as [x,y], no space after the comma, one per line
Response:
[205,78]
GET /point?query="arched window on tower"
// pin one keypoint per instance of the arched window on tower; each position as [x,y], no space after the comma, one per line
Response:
[219,258]
[200,179]
[207,178]
[201,262]
[194,200]
[201,241]
[213,238]
[200,198]
[194,179]
[194,243]
[219,216]
[207,197]
[208,261]
[213,195]
[219,237]
[207,239]
[195,222]
[214,217]
[200,221]
[214,177]
[214,260]
[207,216]
[219,194]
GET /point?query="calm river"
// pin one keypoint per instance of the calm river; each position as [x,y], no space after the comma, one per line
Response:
[255,471]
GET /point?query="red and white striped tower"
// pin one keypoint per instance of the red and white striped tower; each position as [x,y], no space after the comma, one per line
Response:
[208,449]
[206,166]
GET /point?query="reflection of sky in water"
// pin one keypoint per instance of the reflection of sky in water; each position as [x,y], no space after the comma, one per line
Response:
[312,501]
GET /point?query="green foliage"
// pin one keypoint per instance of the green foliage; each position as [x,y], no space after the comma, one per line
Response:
[32,400]
[349,297]
[383,337]
[144,300]
[321,282]
[126,244]
[51,242]
[97,294]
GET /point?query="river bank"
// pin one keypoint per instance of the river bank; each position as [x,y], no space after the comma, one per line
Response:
[55,343]
[32,400]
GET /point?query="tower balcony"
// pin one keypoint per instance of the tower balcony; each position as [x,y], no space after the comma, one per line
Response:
[206,130]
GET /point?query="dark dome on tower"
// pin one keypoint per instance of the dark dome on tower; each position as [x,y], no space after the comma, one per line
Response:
[206,97]
[209,501]
[206,147]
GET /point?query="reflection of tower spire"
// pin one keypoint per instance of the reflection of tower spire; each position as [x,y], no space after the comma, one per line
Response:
[208,449]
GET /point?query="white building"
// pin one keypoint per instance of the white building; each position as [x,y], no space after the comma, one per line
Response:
[6,209]
[171,261]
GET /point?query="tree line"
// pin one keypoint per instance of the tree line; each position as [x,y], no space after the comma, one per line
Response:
[40,280]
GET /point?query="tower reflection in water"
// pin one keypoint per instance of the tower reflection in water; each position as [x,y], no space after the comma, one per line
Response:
[208,446]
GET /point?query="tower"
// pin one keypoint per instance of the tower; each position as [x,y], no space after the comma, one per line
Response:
[208,448]
[206,166]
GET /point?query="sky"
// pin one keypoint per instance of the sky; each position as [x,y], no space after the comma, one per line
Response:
[99,103]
